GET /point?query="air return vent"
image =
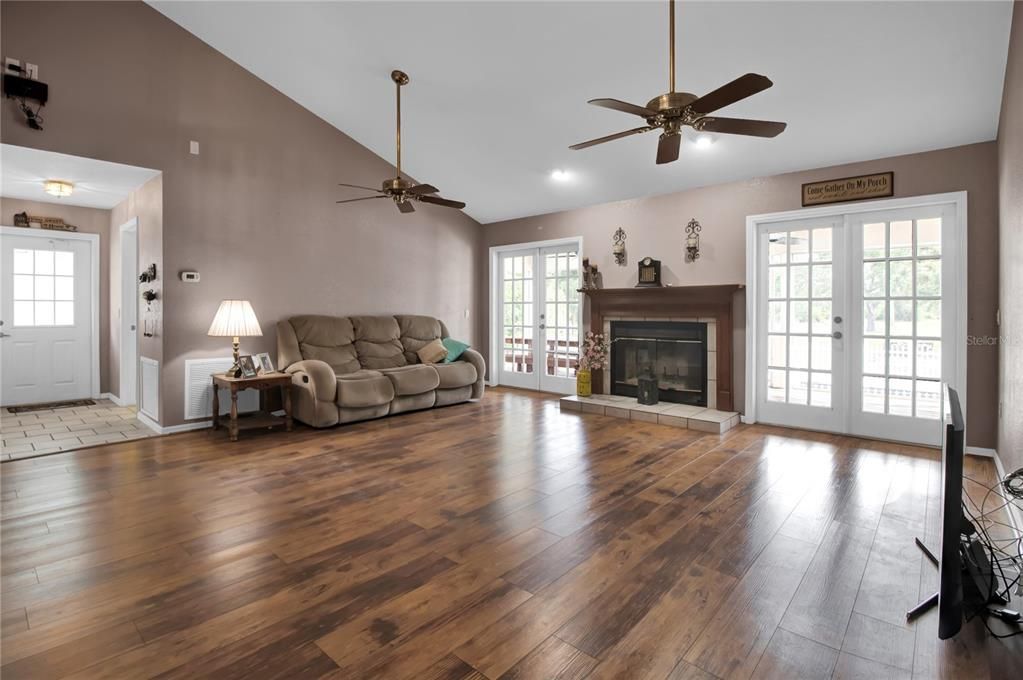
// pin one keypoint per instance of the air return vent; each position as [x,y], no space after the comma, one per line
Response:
[199,395]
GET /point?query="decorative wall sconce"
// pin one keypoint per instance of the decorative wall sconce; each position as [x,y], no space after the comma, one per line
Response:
[693,240]
[619,247]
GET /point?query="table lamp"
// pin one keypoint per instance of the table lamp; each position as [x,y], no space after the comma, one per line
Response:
[235,319]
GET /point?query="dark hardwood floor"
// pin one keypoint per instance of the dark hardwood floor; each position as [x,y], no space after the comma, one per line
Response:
[503,539]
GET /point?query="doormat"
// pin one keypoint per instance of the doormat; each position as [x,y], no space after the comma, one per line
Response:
[51,405]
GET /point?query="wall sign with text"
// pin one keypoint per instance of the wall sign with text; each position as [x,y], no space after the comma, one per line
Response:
[878,185]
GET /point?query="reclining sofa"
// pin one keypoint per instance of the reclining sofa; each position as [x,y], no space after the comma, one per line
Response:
[349,368]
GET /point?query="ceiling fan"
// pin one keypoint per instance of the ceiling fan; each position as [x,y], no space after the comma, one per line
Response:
[670,112]
[402,191]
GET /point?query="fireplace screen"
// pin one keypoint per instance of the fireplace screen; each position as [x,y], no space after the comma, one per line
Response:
[673,352]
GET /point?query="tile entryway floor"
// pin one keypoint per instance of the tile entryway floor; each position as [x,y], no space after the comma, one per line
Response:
[39,432]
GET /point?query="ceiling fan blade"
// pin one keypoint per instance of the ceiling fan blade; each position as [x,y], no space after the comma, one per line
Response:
[356,186]
[667,148]
[624,107]
[609,138]
[741,126]
[740,88]
[405,206]
[420,189]
[437,200]
[364,198]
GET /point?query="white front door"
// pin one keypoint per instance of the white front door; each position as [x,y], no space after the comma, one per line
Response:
[857,321]
[539,317]
[46,318]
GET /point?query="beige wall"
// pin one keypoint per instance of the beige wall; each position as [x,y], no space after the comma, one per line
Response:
[254,213]
[1010,181]
[145,204]
[88,221]
[655,228]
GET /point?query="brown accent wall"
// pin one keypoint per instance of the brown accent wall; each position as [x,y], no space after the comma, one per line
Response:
[254,213]
[145,204]
[655,228]
[88,221]
[1010,182]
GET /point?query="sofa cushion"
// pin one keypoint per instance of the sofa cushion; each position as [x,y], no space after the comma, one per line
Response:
[415,379]
[377,343]
[363,388]
[327,338]
[416,332]
[455,374]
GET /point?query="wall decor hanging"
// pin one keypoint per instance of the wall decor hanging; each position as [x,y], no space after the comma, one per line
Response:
[693,240]
[878,185]
[619,247]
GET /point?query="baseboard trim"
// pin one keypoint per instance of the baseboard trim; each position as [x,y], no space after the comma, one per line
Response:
[112,397]
[172,429]
[1015,513]
[746,420]
[982,451]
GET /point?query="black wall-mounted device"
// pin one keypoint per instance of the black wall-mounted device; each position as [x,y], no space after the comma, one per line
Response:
[25,88]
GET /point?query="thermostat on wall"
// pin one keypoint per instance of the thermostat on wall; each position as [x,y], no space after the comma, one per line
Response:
[190,277]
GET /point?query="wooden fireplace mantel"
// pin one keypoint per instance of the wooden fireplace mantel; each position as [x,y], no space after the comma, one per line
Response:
[672,302]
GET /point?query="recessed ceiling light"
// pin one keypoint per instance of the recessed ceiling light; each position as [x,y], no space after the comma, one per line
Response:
[58,188]
[703,141]
[560,175]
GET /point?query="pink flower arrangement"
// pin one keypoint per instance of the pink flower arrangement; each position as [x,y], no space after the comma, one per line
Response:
[596,352]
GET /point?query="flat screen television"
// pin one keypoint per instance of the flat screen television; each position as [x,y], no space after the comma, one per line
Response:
[949,598]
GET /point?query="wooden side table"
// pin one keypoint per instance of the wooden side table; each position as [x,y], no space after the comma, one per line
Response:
[261,383]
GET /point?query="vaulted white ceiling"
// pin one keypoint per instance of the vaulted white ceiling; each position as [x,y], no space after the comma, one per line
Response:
[498,89]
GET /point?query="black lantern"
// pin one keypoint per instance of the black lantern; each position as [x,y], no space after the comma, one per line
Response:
[646,381]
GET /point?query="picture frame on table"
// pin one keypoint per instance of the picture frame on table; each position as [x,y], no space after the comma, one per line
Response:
[248,366]
[263,363]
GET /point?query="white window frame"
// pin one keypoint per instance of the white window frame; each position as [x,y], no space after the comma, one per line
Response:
[958,255]
[93,240]
[495,321]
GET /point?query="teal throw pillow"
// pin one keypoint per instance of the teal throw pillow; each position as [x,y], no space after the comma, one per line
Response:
[454,348]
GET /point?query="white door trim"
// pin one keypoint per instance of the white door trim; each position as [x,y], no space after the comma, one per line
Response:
[957,198]
[494,342]
[128,284]
[93,240]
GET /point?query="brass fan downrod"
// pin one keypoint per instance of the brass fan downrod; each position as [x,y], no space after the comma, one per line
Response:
[671,46]
[400,78]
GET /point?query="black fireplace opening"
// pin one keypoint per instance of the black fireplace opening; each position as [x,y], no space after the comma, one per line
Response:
[673,352]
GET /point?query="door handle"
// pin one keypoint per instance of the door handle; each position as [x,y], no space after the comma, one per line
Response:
[132,327]
[837,335]
[838,319]
[4,335]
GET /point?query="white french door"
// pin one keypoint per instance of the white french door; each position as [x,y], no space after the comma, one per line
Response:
[859,319]
[47,311]
[539,317]
[803,344]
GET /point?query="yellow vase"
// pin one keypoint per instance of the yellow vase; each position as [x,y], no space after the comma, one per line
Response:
[583,383]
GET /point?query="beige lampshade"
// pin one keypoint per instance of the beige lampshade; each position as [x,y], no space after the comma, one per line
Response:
[235,318]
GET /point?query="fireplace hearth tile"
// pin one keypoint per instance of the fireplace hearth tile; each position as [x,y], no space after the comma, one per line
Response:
[668,414]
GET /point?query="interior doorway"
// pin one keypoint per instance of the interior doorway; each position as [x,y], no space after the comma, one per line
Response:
[129,313]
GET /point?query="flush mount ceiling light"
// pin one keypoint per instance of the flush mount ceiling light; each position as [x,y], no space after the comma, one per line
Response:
[58,188]
[703,141]
[559,175]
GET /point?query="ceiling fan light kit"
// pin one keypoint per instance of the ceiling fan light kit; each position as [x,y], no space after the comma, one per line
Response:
[400,190]
[673,111]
